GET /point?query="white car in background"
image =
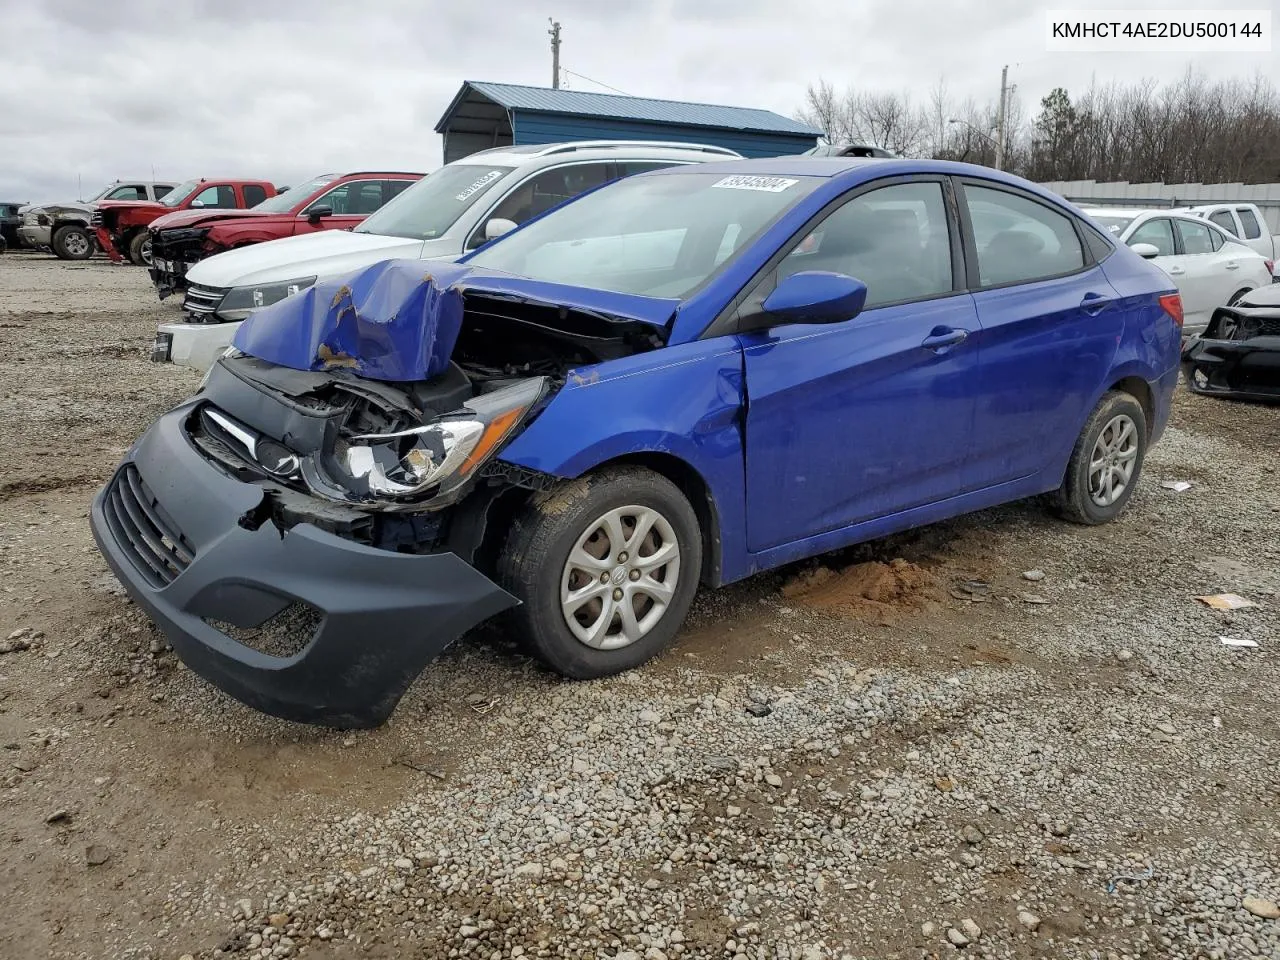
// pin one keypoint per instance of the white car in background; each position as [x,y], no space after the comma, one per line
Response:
[1209,266]
[452,211]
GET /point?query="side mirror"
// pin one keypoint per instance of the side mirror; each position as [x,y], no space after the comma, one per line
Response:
[316,214]
[816,296]
[1147,251]
[197,204]
[497,227]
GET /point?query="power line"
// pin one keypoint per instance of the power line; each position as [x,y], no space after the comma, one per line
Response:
[596,82]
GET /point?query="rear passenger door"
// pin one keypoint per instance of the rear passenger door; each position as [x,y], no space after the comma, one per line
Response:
[1050,328]
[1206,279]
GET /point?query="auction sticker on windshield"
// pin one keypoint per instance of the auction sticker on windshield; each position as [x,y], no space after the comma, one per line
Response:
[484,181]
[768,184]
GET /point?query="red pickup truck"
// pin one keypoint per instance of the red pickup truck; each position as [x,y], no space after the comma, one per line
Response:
[327,202]
[121,225]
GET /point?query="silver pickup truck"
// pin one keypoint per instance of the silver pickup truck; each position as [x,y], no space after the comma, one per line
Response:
[64,227]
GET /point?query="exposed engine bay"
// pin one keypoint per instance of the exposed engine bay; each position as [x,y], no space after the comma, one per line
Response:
[377,461]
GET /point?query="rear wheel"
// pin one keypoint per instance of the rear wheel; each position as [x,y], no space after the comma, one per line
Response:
[140,248]
[1106,462]
[605,567]
[72,242]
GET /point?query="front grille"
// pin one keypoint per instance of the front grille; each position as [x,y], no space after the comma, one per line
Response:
[201,302]
[95,218]
[144,530]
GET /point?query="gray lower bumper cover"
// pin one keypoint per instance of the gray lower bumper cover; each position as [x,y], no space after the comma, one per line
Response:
[384,615]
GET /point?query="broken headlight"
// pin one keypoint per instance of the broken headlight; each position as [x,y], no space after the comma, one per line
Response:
[242,301]
[436,458]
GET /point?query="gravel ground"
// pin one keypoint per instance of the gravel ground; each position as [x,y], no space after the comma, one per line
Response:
[846,758]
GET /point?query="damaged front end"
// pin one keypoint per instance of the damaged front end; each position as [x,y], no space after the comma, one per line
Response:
[341,461]
[1238,355]
[173,253]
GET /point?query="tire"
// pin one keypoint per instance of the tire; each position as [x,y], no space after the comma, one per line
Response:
[72,242]
[1080,498]
[1237,297]
[535,567]
[140,248]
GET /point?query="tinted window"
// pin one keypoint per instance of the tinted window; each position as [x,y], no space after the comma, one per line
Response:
[1159,233]
[1224,219]
[1098,245]
[1250,223]
[1019,239]
[393,188]
[353,198]
[254,195]
[893,239]
[129,192]
[548,189]
[161,189]
[1195,237]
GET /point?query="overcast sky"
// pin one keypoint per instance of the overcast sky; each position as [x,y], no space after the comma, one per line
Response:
[284,89]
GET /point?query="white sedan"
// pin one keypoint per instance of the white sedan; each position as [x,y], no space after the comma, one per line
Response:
[1210,267]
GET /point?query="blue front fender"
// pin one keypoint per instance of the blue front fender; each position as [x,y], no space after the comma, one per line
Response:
[685,402]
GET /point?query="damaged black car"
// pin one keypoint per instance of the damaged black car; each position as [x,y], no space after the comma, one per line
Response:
[1238,355]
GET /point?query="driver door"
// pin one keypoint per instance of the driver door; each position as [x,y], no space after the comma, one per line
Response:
[871,416]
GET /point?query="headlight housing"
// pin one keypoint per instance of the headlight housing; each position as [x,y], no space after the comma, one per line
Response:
[426,463]
[242,301]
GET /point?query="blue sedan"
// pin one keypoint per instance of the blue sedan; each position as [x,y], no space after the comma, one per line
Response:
[686,376]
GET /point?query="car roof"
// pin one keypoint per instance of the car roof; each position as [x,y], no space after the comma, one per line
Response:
[858,168]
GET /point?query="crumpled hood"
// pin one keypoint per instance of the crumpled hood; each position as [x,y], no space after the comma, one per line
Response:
[190,218]
[398,320]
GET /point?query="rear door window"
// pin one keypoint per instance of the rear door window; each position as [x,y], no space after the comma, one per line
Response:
[1019,239]
[1158,233]
[161,189]
[254,194]
[1252,231]
[1195,238]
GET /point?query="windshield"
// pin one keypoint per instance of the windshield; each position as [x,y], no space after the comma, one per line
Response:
[660,235]
[1113,225]
[101,193]
[284,202]
[179,193]
[433,204]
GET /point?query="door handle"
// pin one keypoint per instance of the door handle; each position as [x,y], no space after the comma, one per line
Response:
[1094,303]
[1176,270]
[1233,265]
[944,337]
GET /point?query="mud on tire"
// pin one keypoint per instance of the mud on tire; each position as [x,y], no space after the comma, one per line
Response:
[537,568]
[1080,497]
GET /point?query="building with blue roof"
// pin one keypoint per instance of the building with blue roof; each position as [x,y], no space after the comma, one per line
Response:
[484,115]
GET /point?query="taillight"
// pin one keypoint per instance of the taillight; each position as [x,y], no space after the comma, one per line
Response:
[1171,303]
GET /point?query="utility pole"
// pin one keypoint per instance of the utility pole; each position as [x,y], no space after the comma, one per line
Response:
[1000,115]
[555,53]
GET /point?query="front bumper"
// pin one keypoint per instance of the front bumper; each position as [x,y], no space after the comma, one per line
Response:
[36,236]
[169,276]
[194,345]
[1246,369]
[173,528]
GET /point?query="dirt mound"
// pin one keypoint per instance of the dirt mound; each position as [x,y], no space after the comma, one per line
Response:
[872,589]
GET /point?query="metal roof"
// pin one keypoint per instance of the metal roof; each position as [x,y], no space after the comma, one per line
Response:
[614,106]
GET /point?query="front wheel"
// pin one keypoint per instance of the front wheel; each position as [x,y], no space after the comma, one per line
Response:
[140,248]
[1106,462]
[71,242]
[605,567]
